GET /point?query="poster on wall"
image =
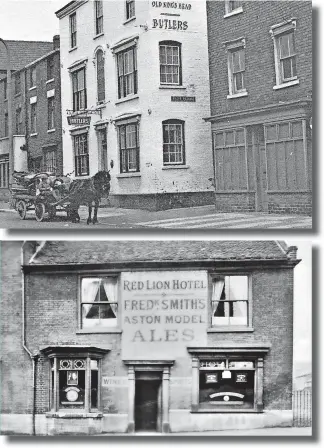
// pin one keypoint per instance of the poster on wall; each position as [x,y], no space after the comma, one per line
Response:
[163,313]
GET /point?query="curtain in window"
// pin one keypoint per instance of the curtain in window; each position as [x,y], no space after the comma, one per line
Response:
[236,288]
[110,290]
[218,288]
[90,287]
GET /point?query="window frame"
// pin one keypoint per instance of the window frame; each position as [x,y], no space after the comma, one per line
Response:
[125,149]
[50,68]
[171,44]
[5,89]
[73,30]
[19,121]
[176,122]
[32,77]
[50,113]
[33,118]
[103,79]
[130,9]
[4,171]
[244,353]
[6,125]
[231,48]
[77,94]
[231,328]
[85,156]
[122,78]
[51,150]
[18,83]
[276,32]
[111,329]
[230,11]
[98,14]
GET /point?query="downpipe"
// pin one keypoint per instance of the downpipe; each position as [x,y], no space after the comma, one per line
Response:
[32,357]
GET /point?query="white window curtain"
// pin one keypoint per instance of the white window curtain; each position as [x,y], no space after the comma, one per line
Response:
[236,288]
[89,290]
[218,287]
[110,290]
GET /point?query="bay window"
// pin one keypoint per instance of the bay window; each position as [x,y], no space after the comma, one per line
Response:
[99,306]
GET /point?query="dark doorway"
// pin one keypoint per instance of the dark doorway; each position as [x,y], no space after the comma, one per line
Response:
[148,402]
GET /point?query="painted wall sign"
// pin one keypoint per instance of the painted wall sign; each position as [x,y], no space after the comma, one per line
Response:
[114,381]
[168,24]
[185,99]
[78,120]
[172,5]
[163,313]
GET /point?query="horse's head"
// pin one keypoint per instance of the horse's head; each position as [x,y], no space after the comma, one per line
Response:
[101,182]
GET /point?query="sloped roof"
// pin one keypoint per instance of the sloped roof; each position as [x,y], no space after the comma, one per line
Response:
[23,52]
[102,252]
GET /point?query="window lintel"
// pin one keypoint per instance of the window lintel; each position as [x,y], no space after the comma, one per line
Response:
[236,43]
[283,27]
[77,65]
[124,44]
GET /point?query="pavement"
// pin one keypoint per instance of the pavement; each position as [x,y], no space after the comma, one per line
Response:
[204,217]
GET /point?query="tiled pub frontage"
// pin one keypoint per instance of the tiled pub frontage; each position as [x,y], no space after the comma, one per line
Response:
[166,336]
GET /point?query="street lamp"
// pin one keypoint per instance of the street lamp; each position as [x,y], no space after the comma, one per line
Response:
[9,98]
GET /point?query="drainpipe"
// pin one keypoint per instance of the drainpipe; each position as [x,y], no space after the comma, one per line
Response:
[32,357]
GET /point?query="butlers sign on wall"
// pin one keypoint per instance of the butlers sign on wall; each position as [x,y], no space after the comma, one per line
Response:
[163,313]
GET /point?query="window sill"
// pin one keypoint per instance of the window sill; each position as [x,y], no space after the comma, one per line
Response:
[64,414]
[166,87]
[237,95]
[286,84]
[33,135]
[129,20]
[101,331]
[125,175]
[127,98]
[234,13]
[72,49]
[229,329]
[223,410]
[101,105]
[98,35]
[175,167]
[32,88]
[49,81]
[51,130]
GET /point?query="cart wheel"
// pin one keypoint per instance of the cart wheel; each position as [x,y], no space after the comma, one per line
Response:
[21,209]
[51,212]
[40,211]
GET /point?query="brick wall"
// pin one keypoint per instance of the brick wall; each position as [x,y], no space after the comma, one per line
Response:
[16,366]
[254,24]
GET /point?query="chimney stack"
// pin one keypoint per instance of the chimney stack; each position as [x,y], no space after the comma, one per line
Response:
[292,252]
[56,42]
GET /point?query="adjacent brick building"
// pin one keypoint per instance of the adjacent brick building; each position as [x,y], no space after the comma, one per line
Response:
[260,59]
[36,116]
[135,85]
[166,336]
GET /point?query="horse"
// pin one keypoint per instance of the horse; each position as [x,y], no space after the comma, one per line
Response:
[88,191]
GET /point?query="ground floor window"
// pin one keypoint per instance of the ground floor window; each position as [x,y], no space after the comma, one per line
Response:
[4,171]
[173,142]
[286,153]
[49,160]
[225,383]
[81,154]
[129,147]
[75,378]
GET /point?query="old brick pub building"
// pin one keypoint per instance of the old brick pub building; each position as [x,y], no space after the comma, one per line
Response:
[166,336]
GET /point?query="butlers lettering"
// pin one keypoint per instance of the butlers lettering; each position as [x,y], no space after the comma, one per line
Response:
[167,24]
[150,285]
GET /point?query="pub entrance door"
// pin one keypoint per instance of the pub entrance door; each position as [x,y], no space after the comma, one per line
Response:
[148,401]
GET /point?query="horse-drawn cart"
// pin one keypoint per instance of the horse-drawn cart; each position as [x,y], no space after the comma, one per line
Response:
[43,192]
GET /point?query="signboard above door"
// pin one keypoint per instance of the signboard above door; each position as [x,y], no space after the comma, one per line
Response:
[77,120]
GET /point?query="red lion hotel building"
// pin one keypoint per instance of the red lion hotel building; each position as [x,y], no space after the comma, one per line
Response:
[135,90]
[165,337]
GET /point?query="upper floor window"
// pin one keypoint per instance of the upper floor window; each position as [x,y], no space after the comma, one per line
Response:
[130,9]
[99,305]
[236,68]
[73,30]
[129,147]
[233,7]
[170,63]
[17,83]
[50,68]
[33,118]
[99,16]
[6,128]
[19,124]
[285,55]
[81,154]
[127,72]
[5,88]
[79,89]
[230,301]
[173,142]
[50,113]
[32,76]
[100,66]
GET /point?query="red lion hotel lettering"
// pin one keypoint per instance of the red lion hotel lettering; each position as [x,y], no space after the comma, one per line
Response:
[132,66]
[166,336]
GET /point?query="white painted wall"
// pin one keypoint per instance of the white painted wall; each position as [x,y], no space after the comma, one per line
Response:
[195,72]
